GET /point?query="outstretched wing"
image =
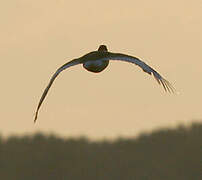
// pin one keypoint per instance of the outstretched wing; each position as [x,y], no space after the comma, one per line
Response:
[65,66]
[146,68]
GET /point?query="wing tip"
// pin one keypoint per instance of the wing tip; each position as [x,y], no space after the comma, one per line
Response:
[168,87]
[35,116]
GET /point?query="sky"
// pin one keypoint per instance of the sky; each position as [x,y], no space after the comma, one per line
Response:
[37,37]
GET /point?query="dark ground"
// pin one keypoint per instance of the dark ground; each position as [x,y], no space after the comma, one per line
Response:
[167,154]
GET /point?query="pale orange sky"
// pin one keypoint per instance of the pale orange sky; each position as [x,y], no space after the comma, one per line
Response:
[37,37]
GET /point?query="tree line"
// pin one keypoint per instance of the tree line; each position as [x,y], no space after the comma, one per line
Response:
[165,154]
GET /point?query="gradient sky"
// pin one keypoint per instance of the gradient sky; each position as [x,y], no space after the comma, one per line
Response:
[38,36]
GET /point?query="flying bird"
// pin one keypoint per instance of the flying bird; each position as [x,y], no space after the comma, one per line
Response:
[97,61]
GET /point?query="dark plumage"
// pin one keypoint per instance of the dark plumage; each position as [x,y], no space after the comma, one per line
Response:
[97,61]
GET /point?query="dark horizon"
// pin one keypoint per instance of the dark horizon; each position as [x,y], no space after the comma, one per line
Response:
[164,154]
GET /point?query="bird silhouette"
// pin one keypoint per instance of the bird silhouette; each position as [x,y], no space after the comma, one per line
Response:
[97,61]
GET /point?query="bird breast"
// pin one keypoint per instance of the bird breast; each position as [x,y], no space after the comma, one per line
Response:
[96,65]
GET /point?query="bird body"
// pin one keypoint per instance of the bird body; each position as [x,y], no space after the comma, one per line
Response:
[96,66]
[97,61]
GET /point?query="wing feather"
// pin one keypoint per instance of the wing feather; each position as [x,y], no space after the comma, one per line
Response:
[59,70]
[146,68]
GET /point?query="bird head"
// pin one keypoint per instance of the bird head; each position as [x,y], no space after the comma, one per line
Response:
[102,48]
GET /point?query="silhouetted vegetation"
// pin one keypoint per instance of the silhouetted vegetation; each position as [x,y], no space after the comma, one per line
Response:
[168,154]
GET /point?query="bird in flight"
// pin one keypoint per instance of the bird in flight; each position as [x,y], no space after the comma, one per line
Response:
[97,61]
